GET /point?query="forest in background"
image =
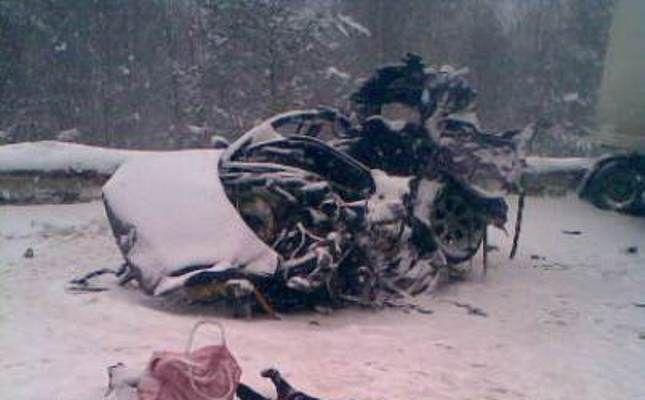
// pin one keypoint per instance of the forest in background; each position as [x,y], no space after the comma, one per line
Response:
[171,73]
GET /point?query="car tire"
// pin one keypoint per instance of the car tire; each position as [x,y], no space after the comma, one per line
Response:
[617,186]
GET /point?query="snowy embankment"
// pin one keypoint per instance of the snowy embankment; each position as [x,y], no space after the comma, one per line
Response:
[52,156]
[564,320]
[59,157]
[56,172]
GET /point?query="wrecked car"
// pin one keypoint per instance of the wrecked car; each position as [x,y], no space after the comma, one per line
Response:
[613,182]
[318,207]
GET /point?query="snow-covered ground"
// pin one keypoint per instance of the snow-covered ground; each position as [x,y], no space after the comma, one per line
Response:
[564,327]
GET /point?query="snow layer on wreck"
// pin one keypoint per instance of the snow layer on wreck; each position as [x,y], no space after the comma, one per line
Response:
[173,213]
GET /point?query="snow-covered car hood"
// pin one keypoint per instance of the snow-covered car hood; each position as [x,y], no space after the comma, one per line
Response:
[177,215]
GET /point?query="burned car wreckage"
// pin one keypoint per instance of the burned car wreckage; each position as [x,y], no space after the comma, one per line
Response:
[314,206]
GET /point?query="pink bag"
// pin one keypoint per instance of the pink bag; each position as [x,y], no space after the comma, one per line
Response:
[210,373]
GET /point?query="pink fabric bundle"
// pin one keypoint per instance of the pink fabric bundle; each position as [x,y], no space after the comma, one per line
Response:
[210,373]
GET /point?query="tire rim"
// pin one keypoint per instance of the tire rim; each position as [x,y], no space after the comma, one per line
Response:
[621,187]
[457,226]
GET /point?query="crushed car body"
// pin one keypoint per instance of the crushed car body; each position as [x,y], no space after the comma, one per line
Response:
[316,207]
[613,182]
[170,214]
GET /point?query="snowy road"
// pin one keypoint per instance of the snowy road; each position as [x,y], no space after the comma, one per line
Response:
[564,327]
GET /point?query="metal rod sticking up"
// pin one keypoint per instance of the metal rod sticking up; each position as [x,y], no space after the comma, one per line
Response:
[518,224]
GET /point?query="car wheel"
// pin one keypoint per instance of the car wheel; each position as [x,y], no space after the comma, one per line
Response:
[617,186]
[457,225]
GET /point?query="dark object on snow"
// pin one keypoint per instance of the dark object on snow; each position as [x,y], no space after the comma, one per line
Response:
[408,306]
[245,392]
[617,183]
[632,250]
[310,209]
[552,266]
[471,309]
[284,391]
[83,284]
[571,232]
[29,253]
